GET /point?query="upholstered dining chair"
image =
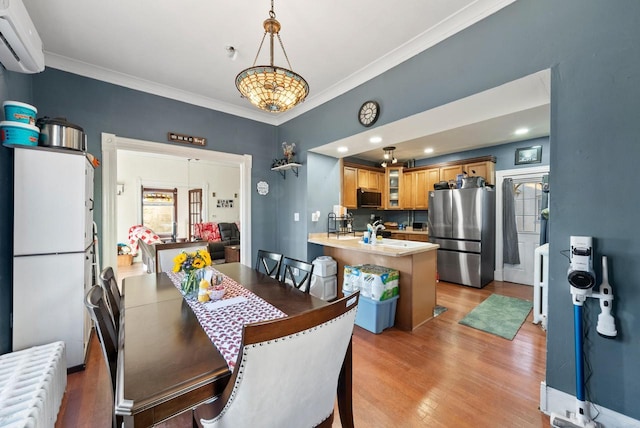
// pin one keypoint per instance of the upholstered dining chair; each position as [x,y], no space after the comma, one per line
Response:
[165,253]
[112,293]
[95,304]
[269,263]
[301,279]
[287,371]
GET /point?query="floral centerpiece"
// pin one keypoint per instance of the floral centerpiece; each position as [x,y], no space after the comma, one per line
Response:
[191,264]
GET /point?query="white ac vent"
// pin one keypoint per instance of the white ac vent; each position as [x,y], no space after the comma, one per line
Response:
[20,44]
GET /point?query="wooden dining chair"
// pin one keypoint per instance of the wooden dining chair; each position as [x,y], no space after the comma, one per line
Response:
[95,304]
[300,279]
[113,296]
[269,263]
[287,371]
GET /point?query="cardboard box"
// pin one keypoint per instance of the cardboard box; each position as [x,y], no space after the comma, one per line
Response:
[125,260]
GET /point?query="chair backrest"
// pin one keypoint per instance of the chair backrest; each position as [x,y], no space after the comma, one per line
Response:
[112,294]
[269,263]
[292,364]
[94,301]
[165,253]
[302,281]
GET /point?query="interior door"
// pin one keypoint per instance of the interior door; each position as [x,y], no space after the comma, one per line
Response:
[195,210]
[528,199]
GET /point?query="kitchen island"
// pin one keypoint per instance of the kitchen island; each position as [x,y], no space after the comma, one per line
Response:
[416,262]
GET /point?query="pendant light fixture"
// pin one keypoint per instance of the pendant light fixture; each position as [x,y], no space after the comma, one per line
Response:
[388,156]
[268,87]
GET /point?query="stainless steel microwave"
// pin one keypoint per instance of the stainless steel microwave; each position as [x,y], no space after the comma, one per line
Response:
[369,198]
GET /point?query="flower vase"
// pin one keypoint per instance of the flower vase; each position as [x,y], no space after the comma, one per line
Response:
[189,284]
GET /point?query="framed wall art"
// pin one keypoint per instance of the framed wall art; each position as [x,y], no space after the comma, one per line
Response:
[528,155]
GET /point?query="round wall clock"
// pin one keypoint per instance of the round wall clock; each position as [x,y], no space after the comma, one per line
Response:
[369,113]
[263,188]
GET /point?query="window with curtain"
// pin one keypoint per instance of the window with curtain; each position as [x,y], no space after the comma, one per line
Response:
[160,211]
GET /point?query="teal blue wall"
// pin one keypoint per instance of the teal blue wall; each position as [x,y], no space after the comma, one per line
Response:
[593,52]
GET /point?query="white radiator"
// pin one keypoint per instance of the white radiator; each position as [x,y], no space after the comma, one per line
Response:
[541,285]
[32,383]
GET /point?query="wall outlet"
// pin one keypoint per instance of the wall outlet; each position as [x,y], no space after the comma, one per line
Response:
[315,216]
[296,216]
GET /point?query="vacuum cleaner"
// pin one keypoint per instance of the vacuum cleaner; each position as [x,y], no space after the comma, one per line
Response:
[582,279]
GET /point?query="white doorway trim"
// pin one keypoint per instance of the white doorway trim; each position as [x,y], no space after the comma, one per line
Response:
[498,274]
[111,143]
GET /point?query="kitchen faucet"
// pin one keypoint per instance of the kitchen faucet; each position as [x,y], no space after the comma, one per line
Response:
[376,227]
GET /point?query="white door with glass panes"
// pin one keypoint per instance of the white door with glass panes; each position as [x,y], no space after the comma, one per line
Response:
[528,198]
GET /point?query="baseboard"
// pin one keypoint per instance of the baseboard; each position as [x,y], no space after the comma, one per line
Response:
[554,401]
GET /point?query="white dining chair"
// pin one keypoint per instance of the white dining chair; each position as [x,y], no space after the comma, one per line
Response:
[287,371]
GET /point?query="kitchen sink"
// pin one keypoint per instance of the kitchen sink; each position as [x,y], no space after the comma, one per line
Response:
[399,243]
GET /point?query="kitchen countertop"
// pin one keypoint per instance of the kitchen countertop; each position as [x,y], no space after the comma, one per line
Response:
[389,247]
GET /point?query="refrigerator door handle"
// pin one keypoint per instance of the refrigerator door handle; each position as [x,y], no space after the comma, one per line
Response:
[91,208]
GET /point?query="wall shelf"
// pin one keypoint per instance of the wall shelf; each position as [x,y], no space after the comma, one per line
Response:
[282,169]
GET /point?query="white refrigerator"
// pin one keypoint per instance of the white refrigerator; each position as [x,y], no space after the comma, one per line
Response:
[52,249]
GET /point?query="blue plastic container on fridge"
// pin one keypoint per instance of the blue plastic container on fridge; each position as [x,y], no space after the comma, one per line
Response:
[18,134]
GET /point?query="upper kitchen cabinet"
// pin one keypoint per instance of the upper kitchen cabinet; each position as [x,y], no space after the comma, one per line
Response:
[451,172]
[393,185]
[349,187]
[369,179]
[486,169]
[408,195]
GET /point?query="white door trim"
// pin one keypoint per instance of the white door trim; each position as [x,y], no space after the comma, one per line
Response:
[110,145]
[500,176]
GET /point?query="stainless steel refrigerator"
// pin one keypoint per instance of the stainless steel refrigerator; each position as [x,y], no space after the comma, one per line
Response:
[462,222]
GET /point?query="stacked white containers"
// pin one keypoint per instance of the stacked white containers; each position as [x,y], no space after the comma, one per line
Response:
[324,282]
[53,237]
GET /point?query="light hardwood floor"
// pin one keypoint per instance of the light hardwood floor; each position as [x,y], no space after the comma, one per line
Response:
[442,374]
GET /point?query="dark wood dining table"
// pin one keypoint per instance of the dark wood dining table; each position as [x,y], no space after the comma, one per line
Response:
[166,362]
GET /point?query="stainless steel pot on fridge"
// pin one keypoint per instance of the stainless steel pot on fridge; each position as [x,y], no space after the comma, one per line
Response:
[57,132]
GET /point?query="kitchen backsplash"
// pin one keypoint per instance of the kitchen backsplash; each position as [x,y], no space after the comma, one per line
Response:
[363,216]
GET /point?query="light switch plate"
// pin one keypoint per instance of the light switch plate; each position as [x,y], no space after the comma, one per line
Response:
[296,216]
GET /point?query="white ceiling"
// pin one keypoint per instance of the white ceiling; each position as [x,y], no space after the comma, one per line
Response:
[177,49]
[485,119]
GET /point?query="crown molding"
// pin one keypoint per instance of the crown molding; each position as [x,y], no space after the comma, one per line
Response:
[462,19]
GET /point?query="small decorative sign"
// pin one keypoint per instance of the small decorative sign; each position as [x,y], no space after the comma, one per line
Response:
[188,139]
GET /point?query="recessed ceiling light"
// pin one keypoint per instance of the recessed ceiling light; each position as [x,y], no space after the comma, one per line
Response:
[343,149]
[429,150]
[521,131]
[375,140]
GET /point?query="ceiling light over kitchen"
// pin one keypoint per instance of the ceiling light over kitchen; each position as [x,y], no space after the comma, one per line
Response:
[429,150]
[522,131]
[268,87]
[343,149]
[375,140]
[388,155]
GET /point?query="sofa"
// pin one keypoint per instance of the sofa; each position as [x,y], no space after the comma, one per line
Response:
[222,235]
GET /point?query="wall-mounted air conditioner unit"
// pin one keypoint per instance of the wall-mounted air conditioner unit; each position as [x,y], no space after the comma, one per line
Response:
[20,45]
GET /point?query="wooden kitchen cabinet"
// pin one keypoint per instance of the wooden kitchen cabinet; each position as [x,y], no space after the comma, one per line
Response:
[482,169]
[349,187]
[407,201]
[371,180]
[420,182]
[433,176]
[393,188]
[450,172]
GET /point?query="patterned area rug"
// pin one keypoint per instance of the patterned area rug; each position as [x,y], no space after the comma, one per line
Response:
[499,315]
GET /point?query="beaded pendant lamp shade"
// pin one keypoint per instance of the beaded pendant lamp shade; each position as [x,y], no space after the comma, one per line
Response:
[269,87]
